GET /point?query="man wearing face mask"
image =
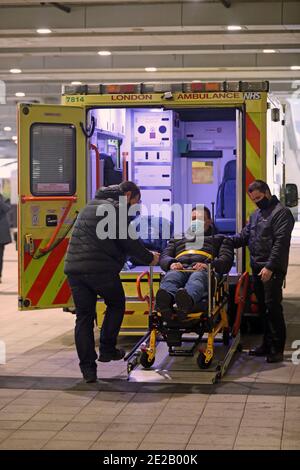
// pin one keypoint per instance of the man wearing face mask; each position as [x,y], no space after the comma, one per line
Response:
[93,263]
[186,289]
[268,235]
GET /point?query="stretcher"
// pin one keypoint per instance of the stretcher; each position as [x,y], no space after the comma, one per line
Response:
[198,333]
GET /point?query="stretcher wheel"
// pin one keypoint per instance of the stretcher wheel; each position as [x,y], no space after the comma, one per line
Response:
[201,361]
[144,360]
[226,336]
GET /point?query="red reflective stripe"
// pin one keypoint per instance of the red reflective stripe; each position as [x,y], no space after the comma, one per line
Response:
[46,273]
[27,256]
[249,177]
[253,134]
[63,295]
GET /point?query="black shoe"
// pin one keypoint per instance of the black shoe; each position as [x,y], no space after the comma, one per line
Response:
[90,376]
[184,301]
[164,301]
[260,351]
[275,357]
[116,355]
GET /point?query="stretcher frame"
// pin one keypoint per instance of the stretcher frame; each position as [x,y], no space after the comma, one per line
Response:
[216,322]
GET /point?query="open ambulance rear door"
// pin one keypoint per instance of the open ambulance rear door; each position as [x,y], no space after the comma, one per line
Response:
[52,190]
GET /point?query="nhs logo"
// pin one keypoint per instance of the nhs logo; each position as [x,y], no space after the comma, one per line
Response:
[252,95]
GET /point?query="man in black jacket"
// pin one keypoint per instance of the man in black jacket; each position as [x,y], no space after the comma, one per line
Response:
[96,254]
[186,289]
[268,236]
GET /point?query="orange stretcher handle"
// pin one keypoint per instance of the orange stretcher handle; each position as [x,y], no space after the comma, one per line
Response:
[143,298]
[71,199]
[240,299]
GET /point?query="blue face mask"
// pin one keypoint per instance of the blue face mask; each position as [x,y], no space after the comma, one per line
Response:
[197,226]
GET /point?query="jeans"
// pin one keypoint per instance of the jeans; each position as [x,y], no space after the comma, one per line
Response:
[269,296]
[85,288]
[196,284]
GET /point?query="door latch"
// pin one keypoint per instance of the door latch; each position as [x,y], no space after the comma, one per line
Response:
[29,245]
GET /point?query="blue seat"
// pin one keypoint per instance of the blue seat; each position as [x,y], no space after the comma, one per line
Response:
[226,200]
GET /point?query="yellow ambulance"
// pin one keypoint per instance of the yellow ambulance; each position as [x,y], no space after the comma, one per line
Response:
[182,143]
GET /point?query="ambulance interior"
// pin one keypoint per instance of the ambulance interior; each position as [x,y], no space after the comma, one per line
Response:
[292,157]
[176,156]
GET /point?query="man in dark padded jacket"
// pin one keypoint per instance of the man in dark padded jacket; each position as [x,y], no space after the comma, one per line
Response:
[185,289]
[93,264]
[268,236]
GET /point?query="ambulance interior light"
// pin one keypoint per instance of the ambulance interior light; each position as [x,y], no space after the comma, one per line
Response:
[156,110]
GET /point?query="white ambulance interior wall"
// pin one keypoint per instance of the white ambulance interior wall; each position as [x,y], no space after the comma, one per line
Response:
[151,158]
[292,146]
[203,136]
[146,145]
[292,141]
[275,156]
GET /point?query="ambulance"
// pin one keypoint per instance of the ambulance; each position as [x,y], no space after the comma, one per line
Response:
[182,143]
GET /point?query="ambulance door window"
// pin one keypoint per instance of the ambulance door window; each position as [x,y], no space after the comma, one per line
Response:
[53,159]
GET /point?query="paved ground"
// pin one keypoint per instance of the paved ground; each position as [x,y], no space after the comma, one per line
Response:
[45,405]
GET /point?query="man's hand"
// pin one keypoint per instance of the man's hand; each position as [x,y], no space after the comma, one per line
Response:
[200,267]
[155,260]
[176,266]
[265,274]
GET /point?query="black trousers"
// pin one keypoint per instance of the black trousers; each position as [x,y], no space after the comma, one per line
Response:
[85,288]
[1,257]
[269,296]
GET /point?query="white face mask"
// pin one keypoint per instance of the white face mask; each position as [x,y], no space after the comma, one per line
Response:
[197,226]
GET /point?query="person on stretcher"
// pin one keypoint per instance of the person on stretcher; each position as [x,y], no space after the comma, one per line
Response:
[184,290]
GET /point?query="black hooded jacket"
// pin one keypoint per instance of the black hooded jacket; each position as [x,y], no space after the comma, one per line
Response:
[222,248]
[88,254]
[268,235]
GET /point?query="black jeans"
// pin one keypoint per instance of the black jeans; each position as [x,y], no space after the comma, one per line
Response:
[1,257]
[85,288]
[269,296]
